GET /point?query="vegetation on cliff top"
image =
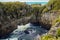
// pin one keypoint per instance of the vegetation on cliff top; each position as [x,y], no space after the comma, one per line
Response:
[14,10]
[52,5]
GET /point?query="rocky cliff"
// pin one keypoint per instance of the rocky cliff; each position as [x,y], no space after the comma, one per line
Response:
[12,14]
[16,13]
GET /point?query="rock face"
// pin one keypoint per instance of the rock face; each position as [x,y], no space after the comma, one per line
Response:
[53,29]
[48,18]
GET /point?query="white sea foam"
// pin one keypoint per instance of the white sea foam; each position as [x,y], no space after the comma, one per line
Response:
[23,27]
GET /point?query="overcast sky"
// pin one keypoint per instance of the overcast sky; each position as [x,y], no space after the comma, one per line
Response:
[24,0]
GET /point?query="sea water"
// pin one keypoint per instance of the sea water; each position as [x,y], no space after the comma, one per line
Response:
[19,33]
[29,3]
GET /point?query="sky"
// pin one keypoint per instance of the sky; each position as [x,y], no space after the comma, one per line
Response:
[24,0]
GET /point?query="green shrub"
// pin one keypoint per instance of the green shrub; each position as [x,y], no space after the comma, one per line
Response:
[48,37]
[58,32]
[55,21]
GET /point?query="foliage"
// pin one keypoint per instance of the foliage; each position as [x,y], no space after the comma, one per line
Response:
[52,5]
[15,9]
[58,32]
[36,5]
[56,20]
[48,37]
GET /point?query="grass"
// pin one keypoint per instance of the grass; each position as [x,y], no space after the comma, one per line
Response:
[56,21]
[48,37]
